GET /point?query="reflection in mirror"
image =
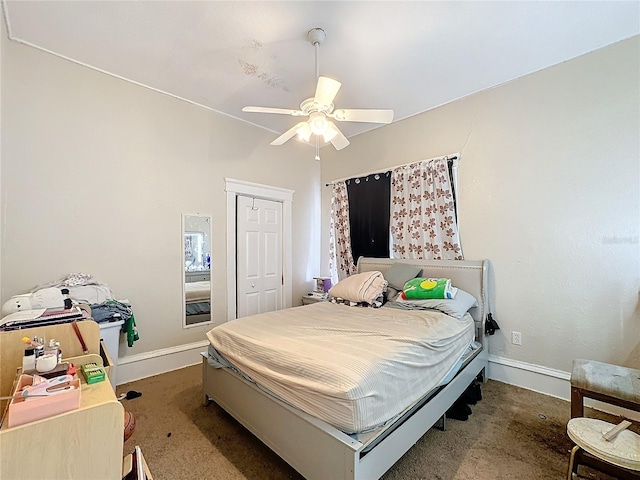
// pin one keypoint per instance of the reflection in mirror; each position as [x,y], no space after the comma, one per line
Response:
[196,268]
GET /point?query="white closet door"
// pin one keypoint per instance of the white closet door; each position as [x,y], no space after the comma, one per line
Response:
[259,256]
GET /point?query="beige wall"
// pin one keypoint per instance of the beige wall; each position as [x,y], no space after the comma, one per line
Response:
[97,171]
[549,192]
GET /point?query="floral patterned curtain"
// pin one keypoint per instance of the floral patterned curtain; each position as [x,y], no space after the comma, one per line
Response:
[423,219]
[340,257]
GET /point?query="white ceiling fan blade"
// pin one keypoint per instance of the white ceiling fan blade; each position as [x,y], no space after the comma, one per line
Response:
[287,135]
[326,91]
[280,111]
[339,140]
[363,115]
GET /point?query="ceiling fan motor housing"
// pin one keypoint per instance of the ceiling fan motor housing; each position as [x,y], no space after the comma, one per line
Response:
[316,35]
[310,105]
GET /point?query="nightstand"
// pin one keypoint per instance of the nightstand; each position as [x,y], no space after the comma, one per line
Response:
[309,299]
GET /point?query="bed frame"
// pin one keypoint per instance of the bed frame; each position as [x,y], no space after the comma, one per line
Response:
[316,449]
[197,318]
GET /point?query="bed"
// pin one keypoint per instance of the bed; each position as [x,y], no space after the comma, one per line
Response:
[350,447]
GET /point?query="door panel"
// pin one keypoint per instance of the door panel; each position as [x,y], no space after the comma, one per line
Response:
[252,254]
[271,300]
[259,267]
[270,254]
[251,303]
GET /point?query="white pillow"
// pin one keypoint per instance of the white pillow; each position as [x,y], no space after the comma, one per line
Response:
[361,287]
[456,306]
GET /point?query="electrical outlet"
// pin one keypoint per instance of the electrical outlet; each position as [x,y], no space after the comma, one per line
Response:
[516,338]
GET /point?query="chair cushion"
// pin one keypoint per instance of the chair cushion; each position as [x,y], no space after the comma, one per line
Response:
[623,450]
[606,379]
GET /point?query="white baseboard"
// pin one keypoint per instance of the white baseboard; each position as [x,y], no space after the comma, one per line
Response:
[555,383]
[143,365]
[547,381]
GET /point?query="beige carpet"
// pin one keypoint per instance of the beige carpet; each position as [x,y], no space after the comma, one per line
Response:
[513,433]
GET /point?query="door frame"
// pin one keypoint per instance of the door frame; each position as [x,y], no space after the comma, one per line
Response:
[277,194]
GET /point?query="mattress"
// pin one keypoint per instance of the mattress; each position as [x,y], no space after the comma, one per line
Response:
[354,368]
[197,291]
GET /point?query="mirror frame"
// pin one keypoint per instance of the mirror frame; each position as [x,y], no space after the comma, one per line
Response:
[183,234]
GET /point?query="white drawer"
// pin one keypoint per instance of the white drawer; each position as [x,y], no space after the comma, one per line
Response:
[191,277]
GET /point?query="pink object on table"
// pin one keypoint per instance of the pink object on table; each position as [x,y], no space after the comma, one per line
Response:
[24,410]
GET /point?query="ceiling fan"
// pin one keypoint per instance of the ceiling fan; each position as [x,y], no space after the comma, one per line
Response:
[320,109]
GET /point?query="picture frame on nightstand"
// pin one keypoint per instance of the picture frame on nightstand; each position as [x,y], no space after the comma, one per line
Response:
[323,284]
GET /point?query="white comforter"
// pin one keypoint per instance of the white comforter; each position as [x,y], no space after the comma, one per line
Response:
[197,291]
[355,368]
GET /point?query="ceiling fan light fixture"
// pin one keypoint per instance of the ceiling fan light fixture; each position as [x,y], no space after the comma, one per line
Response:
[318,123]
[330,132]
[304,132]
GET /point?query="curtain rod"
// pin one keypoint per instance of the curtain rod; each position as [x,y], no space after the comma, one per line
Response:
[454,156]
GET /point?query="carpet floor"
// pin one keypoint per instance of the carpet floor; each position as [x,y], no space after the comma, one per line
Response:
[512,433]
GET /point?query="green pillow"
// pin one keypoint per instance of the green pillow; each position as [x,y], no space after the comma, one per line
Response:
[424,288]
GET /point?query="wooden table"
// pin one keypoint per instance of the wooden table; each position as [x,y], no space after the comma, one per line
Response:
[607,383]
[82,444]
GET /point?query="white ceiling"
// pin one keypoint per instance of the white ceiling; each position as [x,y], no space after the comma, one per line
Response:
[407,56]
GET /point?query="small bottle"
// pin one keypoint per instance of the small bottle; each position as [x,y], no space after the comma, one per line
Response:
[29,359]
[54,349]
[38,346]
[59,351]
[51,349]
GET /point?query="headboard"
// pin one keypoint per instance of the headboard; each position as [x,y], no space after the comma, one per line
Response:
[469,275]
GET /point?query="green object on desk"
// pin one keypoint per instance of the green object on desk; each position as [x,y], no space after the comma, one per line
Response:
[93,373]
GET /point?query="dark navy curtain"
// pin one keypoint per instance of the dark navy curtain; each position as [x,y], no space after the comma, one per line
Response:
[369,210]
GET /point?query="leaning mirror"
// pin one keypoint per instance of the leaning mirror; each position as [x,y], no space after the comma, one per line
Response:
[196,269]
